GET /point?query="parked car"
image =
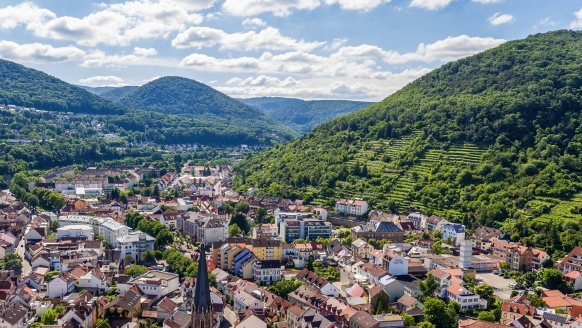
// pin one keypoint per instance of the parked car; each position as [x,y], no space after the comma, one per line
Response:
[512,285]
[495,272]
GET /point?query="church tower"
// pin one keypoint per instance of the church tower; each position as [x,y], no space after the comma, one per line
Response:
[202,309]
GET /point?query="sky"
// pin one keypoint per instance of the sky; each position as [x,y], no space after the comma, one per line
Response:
[308,49]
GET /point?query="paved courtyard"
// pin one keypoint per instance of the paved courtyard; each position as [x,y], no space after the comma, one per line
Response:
[500,284]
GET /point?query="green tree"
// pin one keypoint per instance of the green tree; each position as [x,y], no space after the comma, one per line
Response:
[260,215]
[408,320]
[486,292]
[234,230]
[54,226]
[426,324]
[137,270]
[486,316]
[164,237]
[438,313]
[382,304]
[343,233]
[242,207]
[284,287]
[551,277]
[159,255]
[310,264]
[536,300]
[348,241]
[437,234]
[50,275]
[149,256]
[428,287]
[12,260]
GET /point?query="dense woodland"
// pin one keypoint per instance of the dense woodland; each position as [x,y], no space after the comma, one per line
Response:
[181,96]
[520,102]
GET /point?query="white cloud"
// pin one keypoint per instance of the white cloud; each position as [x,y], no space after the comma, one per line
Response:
[102,79]
[451,48]
[277,7]
[313,90]
[335,44]
[38,52]
[24,13]
[264,80]
[488,1]
[498,19]
[252,22]
[268,38]
[192,5]
[212,16]
[115,24]
[545,22]
[139,56]
[578,22]
[430,4]
[357,4]
[213,82]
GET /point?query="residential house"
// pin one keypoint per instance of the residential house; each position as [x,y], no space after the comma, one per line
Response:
[463,296]
[407,302]
[363,320]
[14,316]
[312,279]
[572,261]
[244,300]
[372,272]
[512,311]
[267,271]
[379,230]
[434,223]
[61,285]
[483,238]
[455,232]
[395,264]
[127,304]
[156,284]
[355,207]
[361,249]
[94,280]
[166,307]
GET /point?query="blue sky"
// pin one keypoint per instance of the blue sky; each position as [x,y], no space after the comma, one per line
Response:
[310,49]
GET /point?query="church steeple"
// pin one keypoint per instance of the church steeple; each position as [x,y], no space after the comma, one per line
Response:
[202,309]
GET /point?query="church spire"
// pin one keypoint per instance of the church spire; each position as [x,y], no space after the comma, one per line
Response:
[202,303]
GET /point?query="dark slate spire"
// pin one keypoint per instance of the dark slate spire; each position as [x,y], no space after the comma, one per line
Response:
[202,303]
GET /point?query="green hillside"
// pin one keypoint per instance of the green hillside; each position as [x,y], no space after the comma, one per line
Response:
[493,139]
[115,94]
[23,86]
[96,90]
[181,96]
[268,104]
[303,116]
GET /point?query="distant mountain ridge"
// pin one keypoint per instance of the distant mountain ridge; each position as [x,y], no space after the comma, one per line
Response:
[182,96]
[269,104]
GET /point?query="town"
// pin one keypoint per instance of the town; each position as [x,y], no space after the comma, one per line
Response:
[90,252]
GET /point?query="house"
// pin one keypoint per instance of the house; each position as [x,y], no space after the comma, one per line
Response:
[363,320]
[361,249]
[312,279]
[379,230]
[372,272]
[463,296]
[574,278]
[389,320]
[178,319]
[267,271]
[61,285]
[244,300]
[165,308]
[433,223]
[396,265]
[356,207]
[135,244]
[407,302]
[455,232]
[156,284]
[572,261]
[520,257]
[483,237]
[14,316]
[94,280]
[127,304]
[34,281]
[82,312]
[511,311]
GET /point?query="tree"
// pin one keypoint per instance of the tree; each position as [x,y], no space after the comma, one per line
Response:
[486,316]
[242,207]
[426,324]
[260,215]
[437,247]
[408,320]
[551,277]
[455,306]
[348,241]
[486,292]
[438,313]
[437,234]
[12,260]
[234,230]
[425,235]
[164,238]
[310,264]
[536,300]
[528,279]
[54,226]
[137,270]
[149,256]
[50,275]
[343,233]
[284,287]
[159,255]
[428,287]
[382,305]
[129,258]
[241,221]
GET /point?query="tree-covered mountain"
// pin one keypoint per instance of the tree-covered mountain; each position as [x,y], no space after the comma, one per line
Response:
[23,86]
[115,94]
[493,139]
[268,104]
[303,116]
[182,96]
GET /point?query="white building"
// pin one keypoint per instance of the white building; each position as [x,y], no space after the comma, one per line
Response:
[60,286]
[156,283]
[94,280]
[184,204]
[76,231]
[108,227]
[244,300]
[135,243]
[351,207]
[267,271]
[455,231]
[463,296]
[397,265]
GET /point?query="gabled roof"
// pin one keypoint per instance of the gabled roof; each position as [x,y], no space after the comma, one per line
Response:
[167,304]
[356,291]
[14,313]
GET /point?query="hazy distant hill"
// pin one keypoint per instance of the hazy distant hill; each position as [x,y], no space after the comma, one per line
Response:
[117,93]
[268,104]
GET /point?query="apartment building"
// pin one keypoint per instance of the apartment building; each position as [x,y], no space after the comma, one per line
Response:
[356,207]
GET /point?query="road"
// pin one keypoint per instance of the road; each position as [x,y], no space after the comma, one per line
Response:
[26,269]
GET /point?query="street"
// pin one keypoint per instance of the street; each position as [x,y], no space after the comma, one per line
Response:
[230,318]
[26,269]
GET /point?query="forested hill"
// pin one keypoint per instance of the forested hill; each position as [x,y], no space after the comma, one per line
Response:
[181,96]
[303,116]
[23,86]
[115,94]
[494,139]
[269,104]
